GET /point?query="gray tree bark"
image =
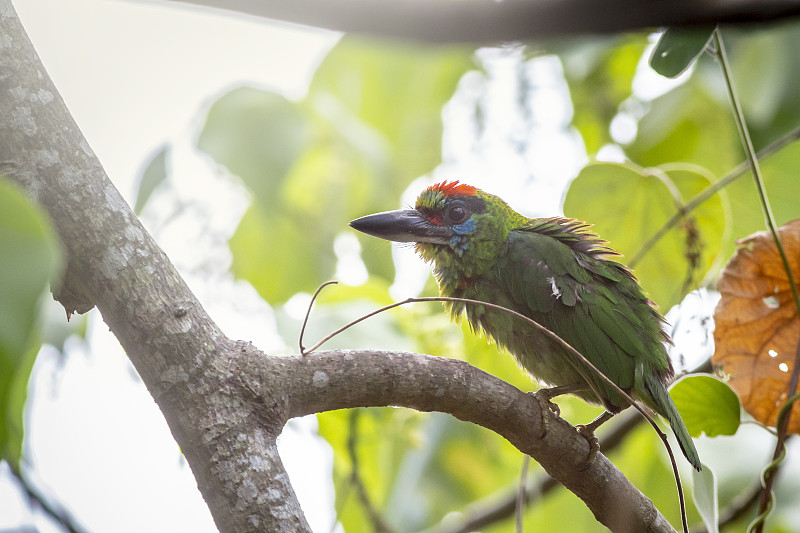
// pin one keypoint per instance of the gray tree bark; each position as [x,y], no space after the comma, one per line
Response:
[225,401]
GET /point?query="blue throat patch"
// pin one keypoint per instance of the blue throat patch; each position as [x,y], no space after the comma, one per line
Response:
[459,242]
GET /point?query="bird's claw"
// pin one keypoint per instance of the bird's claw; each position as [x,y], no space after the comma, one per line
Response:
[587,432]
[546,406]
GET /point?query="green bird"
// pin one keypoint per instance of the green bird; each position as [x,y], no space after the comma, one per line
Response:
[554,271]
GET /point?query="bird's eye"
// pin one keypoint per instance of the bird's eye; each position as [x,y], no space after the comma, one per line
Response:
[456,213]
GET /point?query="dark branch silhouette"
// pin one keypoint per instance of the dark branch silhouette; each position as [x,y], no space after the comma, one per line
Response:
[490,22]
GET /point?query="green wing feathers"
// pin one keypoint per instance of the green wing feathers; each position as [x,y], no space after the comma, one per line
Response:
[561,275]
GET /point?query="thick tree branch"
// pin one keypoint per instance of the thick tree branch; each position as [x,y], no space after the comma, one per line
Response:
[226,402]
[490,22]
[341,379]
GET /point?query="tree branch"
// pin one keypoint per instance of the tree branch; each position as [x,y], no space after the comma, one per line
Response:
[342,379]
[490,22]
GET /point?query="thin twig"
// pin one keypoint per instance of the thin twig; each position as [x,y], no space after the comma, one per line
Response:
[308,313]
[378,523]
[522,492]
[782,424]
[770,471]
[558,340]
[58,514]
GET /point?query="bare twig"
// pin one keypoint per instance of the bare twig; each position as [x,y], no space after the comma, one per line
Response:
[308,313]
[379,525]
[60,515]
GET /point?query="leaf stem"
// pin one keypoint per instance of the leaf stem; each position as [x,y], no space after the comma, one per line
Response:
[766,502]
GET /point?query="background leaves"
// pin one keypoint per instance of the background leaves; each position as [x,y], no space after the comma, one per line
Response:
[369,125]
[642,201]
[29,259]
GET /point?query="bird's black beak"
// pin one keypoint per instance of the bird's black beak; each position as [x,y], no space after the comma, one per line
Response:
[402,226]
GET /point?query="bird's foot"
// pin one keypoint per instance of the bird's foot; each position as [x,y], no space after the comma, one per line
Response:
[587,430]
[546,407]
[594,444]
[545,396]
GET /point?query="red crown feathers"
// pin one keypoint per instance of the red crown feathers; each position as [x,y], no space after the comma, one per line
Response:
[452,188]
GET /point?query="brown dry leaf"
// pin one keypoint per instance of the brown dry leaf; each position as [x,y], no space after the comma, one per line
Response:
[757,328]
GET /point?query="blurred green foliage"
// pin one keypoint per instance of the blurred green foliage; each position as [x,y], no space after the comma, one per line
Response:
[678,48]
[369,125]
[154,174]
[29,260]
[643,200]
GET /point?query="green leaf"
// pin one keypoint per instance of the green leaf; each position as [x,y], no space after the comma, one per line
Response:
[783,188]
[600,77]
[677,49]
[154,174]
[371,124]
[676,129]
[278,256]
[258,135]
[29,259]
[707,405]
[705,497]
[16,370]
[628,205]
[390,95]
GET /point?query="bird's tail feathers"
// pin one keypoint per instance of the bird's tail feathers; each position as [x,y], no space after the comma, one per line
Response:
[666,408]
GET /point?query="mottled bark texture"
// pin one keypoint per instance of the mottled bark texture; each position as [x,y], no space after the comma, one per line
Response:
[225,401]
